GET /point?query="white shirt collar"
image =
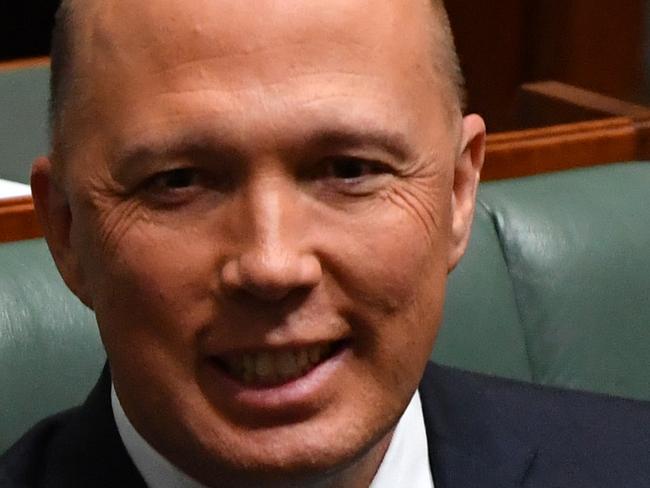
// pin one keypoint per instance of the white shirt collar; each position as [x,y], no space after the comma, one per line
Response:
[406,462]
[156,471]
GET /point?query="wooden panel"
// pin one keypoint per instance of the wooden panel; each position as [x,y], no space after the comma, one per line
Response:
[533,151]
[549,103]
[597,44]
[554,98]
[565,127]
[490,39]
[18,220]
[554,92]
[24,63]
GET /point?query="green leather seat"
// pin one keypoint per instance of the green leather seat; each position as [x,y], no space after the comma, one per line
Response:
[554,289]
[50,353]
[563,296]
[23,123]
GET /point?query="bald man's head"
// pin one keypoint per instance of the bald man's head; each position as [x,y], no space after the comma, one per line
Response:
[66,85]
[273,150]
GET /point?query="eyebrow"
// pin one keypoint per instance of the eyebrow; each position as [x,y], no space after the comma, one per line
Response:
[342,137]
[392,142]
[158,149]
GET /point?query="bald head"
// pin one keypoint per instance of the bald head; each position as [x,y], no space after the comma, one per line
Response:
[67,83]
[275,150]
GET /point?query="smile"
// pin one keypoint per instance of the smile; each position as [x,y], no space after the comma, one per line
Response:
[271,368]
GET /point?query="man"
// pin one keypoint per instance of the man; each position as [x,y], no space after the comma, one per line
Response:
[261,202]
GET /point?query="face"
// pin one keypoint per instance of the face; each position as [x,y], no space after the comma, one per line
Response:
[262,215]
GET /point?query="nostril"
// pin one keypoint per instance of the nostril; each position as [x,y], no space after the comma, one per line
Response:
[271,279]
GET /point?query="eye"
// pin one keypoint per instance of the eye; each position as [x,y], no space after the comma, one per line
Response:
[175,179]
[175,186]
[351,168]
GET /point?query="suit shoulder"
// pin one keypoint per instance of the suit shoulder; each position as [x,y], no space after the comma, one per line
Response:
[538,399]
[462,382]
[590,436]
[22,464]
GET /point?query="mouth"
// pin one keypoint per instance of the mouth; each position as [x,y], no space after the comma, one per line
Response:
[270,368]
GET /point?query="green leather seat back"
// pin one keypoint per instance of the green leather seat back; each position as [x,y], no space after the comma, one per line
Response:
[50,353]
[577,248]
[481,330]
[23,120]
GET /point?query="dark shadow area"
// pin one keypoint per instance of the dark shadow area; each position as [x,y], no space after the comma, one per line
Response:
[25,28]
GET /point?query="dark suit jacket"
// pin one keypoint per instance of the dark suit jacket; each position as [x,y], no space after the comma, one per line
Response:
[482,432]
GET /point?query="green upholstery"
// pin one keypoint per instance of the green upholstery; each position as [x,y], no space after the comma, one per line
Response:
[553,289]
[50,354]
[491,341]
[576,249]
[23,120]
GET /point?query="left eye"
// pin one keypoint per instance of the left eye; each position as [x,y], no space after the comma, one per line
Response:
[348,168]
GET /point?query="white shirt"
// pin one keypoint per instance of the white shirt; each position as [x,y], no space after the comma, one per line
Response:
[405,464]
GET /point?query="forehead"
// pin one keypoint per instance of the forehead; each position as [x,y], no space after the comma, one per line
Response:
[134,51]
[135,36]
[219,26]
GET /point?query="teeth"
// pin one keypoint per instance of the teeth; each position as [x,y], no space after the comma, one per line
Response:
[302,358]
[314,354]
[267,368]
[286,364]
[264,366]
[248,363]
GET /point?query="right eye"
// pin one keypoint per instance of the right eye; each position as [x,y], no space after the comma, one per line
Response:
[176,179]
[175,186]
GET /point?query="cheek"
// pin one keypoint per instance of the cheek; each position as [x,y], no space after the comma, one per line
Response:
[399,253]
[394,275]
[393,279]
[150,287]
[411,274]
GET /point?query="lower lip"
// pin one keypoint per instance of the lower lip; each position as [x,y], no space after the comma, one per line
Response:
[296,398]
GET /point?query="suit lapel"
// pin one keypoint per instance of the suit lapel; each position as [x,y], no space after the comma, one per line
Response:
[474,438]
[89,452]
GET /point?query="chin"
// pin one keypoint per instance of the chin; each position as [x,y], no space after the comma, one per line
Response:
[317,448]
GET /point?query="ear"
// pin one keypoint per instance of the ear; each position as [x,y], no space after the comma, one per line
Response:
[53,211]
[467,174]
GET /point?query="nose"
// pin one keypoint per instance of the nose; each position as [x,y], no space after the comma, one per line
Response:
[273,258]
